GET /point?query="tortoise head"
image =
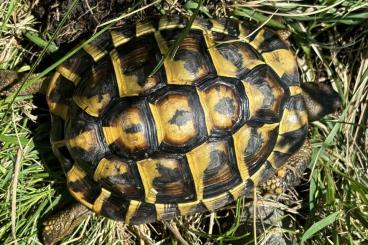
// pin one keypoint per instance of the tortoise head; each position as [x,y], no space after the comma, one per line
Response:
[320,99]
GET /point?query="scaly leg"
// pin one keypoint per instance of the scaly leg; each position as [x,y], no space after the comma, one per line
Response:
[64,222]
[290,174]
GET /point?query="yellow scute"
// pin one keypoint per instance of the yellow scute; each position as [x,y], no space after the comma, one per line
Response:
[86,140]
[281,60]
[92,105]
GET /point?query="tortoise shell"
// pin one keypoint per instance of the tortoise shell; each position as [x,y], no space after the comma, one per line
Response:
[213,122]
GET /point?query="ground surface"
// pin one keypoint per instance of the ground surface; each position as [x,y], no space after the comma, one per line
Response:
[330,39]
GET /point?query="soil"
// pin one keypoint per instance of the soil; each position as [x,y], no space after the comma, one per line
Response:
[85,17]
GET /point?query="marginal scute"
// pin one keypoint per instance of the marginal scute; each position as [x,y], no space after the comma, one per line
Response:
[204,25]
[122,35]
[101,199]
[58,143]
[291,141]
[95,52]
[277,159]
[225,26]
[58,95]
[131,211]
[244,189]
[68,74]
[57,130]
[112,206]
[263,173]
[218,201]
[276,54]
[294,115]
[98,47]
[166,211]
[271,42]
[75,66]
[247,31]
[288,143]
[146,27]
[293,131]
[188,208]
[257,39]
[144,213]
[284,64]
[172,22]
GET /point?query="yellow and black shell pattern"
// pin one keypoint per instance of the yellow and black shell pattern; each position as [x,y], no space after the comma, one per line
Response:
[213,122]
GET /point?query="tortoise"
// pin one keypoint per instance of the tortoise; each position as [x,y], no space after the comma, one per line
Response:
[142,137]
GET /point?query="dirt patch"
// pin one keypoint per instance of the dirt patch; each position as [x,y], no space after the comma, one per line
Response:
[84,19]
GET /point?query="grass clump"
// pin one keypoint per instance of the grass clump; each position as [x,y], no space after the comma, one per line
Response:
[331,42]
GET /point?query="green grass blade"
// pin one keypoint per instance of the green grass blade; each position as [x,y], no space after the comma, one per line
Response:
[40,42]
[260,18]
[319,226]
[329,140]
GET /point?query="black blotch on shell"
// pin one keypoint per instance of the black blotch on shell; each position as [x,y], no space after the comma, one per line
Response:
[254,144]
[295,103]
[294,139]
[181,117]
[226,106]
[139,58]
[217,159]
[272,42]
[84,186]
[193,60]
[280,158]
[257,150]
[63,90]
[115,208]
[146,213]
[167,175]
[133,128]
[121,179]
[77,186]
[232,54]
[115,183]
[206,23]
[231,26]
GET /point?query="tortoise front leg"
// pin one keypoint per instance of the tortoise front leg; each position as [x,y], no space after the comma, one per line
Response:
[64,222]
[290,174]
